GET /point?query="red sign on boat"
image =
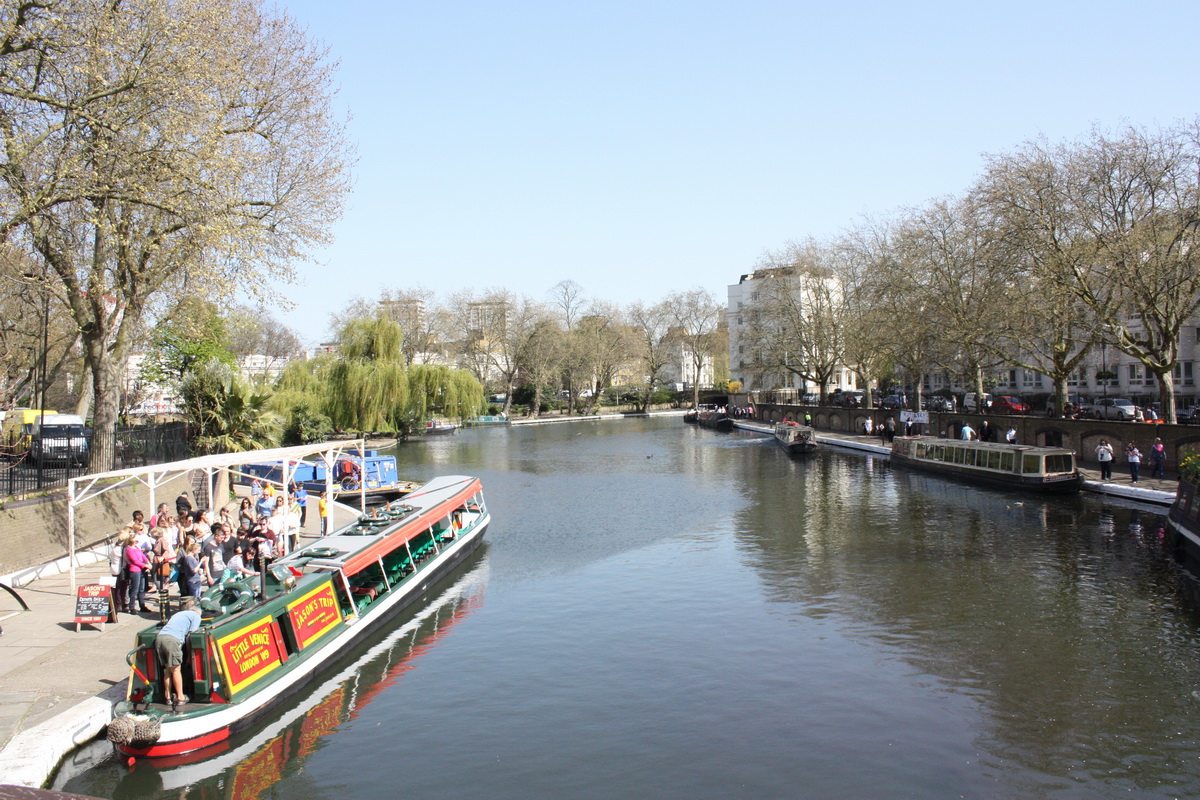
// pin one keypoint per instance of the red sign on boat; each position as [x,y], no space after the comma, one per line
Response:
[250,653]
[314,615]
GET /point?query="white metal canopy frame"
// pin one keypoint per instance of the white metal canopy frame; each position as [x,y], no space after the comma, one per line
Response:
[89,487]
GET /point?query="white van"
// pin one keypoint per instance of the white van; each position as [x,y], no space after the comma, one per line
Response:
[970,403]
[59,437]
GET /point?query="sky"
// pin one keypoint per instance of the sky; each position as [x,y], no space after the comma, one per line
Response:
[642,148]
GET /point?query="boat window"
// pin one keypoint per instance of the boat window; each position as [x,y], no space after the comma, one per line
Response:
[993,461]
[1059,462]
[1006,461]
[1031,464]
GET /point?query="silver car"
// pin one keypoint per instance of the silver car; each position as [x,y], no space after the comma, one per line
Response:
[1115,408]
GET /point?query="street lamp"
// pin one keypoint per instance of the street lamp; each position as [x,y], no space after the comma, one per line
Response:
[1104,367]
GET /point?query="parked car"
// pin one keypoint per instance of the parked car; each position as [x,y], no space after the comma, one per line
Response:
[894,402]
[970,403]
[1009,404]
[847,399]
[1189,415]
[1113,408]
[937,402]
[1074,406]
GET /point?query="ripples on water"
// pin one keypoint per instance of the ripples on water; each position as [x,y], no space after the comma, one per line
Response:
[671,612]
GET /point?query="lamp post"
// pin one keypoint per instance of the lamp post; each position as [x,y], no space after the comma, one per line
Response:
[1104,367]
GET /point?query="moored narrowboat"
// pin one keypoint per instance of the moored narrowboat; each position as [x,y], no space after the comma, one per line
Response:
[1013,466]
[356,473]
[1184,516]
[715,418]
[262,640]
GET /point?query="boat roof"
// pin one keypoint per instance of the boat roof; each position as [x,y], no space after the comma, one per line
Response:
[356,548]
[975,444]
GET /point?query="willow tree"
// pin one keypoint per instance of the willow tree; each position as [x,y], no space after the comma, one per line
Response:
[368,383]
[161,146]
[438,390]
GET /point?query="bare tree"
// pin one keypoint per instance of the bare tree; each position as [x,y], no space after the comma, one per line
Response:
[1050,330]
[186,145]
[651,329]
[567,297]
[800,325]
[1138,195]
[254,332]
[695,315]
[602,342]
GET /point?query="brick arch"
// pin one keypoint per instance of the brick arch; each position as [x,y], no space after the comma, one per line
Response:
[1051,436]
[1090,439]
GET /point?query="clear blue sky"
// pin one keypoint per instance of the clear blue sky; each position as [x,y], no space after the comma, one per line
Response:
[638,148]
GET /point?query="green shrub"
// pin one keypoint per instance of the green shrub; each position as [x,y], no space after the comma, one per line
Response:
[1189,467]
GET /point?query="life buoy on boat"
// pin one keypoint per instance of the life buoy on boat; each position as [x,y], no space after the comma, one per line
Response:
[323,552]
[227,598]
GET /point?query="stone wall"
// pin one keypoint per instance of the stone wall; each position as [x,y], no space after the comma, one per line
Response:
[34,531]
[1081,435]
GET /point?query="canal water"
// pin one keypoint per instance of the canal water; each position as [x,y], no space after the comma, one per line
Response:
[663,611]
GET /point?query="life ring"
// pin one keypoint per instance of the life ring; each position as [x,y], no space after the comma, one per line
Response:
[323,552]
[227,598]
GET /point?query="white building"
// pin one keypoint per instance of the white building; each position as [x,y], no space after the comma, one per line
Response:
[746,318]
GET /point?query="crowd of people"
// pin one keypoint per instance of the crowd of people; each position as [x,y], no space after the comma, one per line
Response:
[190,550]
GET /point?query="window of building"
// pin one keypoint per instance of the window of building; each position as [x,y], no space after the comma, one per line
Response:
[1183,373]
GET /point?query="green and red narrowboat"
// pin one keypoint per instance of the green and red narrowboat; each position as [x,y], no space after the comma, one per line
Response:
[264,640]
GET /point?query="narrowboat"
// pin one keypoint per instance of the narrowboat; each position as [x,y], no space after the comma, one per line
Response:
[796,438]
[1012,466]
[355,474]
[439,427]
[1184,516]
[714,418]
[264,639]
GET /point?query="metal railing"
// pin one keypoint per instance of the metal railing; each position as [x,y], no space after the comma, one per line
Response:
[22,472]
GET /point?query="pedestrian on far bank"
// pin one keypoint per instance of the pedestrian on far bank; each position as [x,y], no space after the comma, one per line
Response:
[1134,457]
[967,432]
[1010,435]
[323,510]
[1158,459]
[1104,454]
[889,426]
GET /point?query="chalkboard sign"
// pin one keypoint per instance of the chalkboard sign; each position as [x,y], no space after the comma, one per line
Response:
[94,605]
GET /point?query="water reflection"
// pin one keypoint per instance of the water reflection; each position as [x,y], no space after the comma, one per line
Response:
[1054,614]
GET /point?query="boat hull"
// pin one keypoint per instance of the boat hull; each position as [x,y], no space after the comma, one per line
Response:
[798,448]
[1025,483]
[1184,516]
[715,421]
